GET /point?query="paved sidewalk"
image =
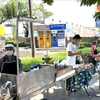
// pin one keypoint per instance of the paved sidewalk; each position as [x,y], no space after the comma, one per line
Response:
[82,95]
[57,93]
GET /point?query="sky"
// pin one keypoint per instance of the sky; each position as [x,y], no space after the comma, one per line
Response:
[71,12]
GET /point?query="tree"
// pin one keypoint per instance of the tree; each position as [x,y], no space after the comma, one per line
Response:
[8,12]
[49,2]
[92,2]
[82,3]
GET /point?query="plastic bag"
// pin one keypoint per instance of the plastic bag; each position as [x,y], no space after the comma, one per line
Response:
[6,90]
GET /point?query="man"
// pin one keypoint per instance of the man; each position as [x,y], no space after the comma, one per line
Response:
[71,50]
[71,57]
[9,57]
[8,67]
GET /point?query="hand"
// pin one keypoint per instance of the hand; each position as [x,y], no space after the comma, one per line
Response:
[79,52]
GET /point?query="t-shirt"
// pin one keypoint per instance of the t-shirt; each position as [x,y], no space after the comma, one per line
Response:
[71,60]
[93,48]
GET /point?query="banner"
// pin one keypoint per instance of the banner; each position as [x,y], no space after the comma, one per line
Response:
[1,30]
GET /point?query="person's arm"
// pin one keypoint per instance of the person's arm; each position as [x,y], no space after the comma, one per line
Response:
[76,53]
[70,48]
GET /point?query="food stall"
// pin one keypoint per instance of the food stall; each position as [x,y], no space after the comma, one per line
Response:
[26,85]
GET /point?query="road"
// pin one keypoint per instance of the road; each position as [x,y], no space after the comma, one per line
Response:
[40,51]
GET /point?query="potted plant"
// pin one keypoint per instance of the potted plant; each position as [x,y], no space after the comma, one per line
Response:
[47,59]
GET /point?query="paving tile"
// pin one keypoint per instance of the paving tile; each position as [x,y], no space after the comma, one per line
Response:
[95,98]
[59,93]
[72,98]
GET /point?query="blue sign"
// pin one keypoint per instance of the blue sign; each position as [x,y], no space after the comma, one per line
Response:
[97,22]
[57,26]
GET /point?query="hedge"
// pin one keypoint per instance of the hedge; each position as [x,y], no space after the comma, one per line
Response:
[27,62]
[21,44]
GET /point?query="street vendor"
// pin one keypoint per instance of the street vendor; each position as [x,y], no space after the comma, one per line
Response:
[71,57]
[9,57]
[71,50]
[8,69]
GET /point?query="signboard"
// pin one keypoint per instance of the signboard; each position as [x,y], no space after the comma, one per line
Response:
[61,42]
[41,28]
[57,26]
[1,30]
[97,22]
[2,43]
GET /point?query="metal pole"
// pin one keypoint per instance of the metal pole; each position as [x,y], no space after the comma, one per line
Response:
[98,94]
[31,30]
[45,28]
[17,47]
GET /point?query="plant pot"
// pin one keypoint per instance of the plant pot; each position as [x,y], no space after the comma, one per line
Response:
[47,59]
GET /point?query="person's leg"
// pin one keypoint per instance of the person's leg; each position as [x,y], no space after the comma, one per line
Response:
[68,85]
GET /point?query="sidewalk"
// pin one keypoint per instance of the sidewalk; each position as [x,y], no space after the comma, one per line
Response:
[58,93]
[82,95]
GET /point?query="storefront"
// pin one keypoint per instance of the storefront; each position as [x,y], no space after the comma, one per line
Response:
[58,35]
[43,37]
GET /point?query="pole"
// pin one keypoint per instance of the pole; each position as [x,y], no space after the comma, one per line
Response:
[98,94]
[31,30]
[17,46]
[45,28]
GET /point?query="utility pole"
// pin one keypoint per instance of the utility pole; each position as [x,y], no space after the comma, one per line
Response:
[31,30]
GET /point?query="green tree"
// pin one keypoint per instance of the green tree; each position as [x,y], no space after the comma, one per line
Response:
[89,3]
[8,12]
[82,3]
[49,2]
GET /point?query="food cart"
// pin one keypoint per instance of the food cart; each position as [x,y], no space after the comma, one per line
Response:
[28,84]
[32,83]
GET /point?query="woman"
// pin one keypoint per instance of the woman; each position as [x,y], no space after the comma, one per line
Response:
[94,48]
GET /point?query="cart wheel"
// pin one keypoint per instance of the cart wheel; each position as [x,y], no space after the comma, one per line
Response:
[15,98]
[44,99]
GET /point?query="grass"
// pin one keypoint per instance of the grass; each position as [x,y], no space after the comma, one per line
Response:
[85,50]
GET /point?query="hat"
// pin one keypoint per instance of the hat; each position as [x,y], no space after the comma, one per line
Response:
[10,45]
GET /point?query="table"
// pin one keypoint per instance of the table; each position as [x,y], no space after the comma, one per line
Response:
[81,79]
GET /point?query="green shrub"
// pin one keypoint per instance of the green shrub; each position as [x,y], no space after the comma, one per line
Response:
[57,56]
[10,42]
[27,62]
[21,44]
[84,44]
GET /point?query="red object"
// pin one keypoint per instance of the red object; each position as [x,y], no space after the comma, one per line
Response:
[98,7]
